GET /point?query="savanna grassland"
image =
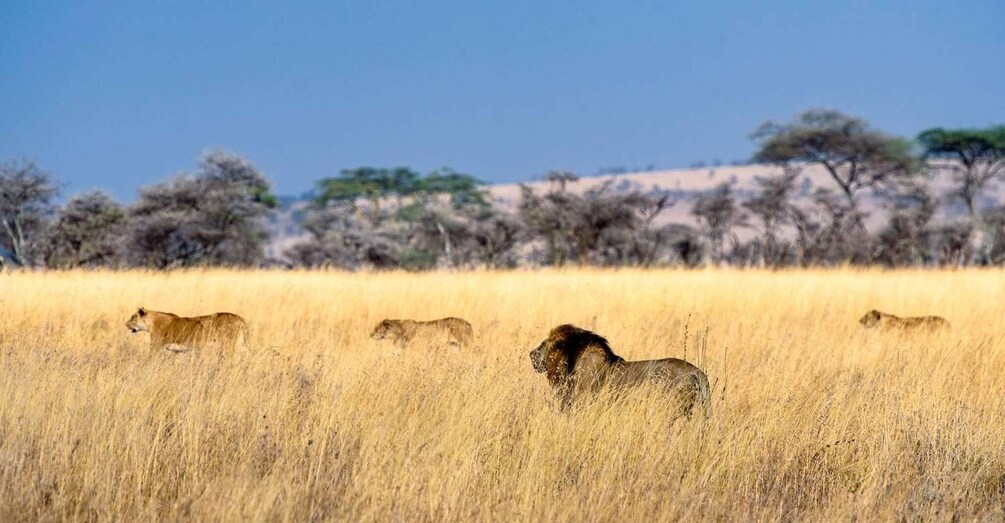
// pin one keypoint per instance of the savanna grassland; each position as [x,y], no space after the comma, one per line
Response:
[814,418]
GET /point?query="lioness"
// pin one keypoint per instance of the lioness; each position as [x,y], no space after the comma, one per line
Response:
[172,332]
[454,331]
[882,320]
[577,361]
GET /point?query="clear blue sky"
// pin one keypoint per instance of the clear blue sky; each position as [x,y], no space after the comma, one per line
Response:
[123,94]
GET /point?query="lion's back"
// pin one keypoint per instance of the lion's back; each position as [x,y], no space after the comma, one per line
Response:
[668,370]
[223,327]
[931,323]
[688,382]
[223,320]
[225,324]
[459,328]
[926,322]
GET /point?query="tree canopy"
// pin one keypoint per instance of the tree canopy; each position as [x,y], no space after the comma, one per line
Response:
[26,202]
[854,154]
[213,217]
[969,146]
[375,184]
[980,154]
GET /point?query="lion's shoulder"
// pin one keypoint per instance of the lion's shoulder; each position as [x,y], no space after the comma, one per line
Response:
[927,321]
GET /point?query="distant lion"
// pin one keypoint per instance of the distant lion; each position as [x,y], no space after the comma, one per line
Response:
[453,331]
[172,332]
[882,320]
[577,361]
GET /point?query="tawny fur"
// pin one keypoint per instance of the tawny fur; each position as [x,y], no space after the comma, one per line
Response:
[882,320]
[170,331]
[452,331]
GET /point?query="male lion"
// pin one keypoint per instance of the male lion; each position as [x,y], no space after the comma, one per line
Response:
[875,318]
[454,331]
[577,361]
[172,332]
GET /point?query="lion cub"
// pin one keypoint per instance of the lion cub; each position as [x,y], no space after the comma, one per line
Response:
[882,320]
[452,331]
[177,334]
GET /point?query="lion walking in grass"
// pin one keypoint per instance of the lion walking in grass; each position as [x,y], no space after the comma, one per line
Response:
[454,332]
[577,361]
[169,331]
[884,321]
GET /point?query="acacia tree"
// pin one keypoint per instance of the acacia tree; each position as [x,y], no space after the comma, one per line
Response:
[601,225]
[367,183]
[773,209]
[542,219]
[447,222]
[87,232]
[561,179]
[339,238]
[213,217]
[432,225]
[978,158]
[597,212]
[348,235]
[26,194]
[495,235]
[463,190]
[907,238]
[546,216]
[855,155]
[829,232]
[644,247]
[718,213]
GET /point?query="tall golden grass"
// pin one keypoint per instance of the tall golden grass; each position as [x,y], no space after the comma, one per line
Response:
[814,418]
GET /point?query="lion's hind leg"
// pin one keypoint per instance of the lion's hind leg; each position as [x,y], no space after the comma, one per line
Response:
[243,338]
[689,392]
[236,337]
[688,397]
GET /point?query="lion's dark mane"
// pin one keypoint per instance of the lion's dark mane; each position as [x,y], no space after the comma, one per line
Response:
[571,340]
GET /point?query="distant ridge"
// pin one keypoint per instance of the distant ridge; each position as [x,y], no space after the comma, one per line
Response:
[683,184]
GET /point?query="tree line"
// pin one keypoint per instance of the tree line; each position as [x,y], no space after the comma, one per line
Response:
[398,218]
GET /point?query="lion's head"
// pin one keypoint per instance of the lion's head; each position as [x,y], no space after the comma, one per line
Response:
[560,353]
[388,329]
[537,357]
[138,321]
[871,318]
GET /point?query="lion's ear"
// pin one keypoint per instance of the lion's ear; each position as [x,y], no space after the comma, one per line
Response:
[142,311]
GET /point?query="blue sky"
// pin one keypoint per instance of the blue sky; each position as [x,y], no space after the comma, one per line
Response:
[116,95]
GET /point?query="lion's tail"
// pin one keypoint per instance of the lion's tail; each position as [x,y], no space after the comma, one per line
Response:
[700,382]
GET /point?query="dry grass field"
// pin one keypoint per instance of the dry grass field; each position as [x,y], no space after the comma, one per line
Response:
[814,418]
